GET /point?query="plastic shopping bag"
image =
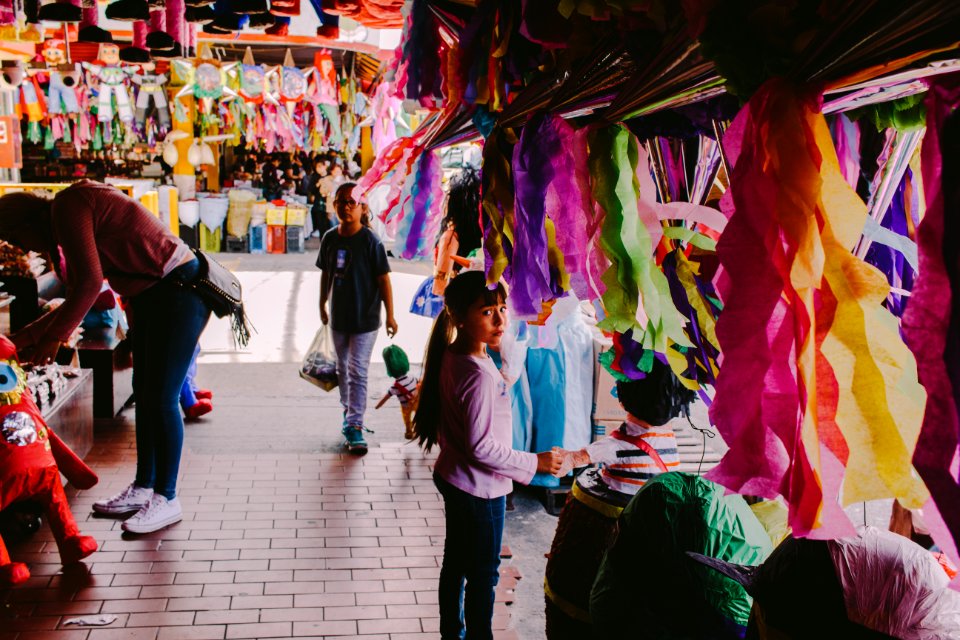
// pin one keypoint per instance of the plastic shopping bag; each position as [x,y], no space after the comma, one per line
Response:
[320,364]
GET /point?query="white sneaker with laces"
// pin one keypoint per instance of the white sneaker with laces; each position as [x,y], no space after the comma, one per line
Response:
[130,499]
[155,515]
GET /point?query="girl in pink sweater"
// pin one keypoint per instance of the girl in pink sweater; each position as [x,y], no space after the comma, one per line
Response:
[465,408]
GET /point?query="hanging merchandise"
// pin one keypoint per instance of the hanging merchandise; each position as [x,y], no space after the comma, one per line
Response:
[113,84]
[152,101]
[803,315]
[206,78]
[64,78]
[326,95]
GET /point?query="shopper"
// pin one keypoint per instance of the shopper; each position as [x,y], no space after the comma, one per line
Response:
[356,280]
[318,203]
[465,408]
[102,233]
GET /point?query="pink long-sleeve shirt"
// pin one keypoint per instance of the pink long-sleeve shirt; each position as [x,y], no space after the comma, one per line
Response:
[476,429]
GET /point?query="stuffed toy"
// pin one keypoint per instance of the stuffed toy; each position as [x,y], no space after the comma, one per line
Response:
[405,386]
[31,459]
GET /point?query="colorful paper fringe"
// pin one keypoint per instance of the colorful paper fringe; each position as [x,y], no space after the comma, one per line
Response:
[817,391]
[421,211]
[637,294]
[932,319]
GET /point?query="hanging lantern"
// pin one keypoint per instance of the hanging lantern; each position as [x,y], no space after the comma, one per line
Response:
[195,154]
[206,155]
[170,154]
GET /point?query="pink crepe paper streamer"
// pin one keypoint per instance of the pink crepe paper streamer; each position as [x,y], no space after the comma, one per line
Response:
[421,215]
[90,16]
[926,325]
[158,21]
[846,135]
[570,207]
[757,409]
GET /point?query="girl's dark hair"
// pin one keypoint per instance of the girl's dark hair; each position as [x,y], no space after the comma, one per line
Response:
[464,290]
[346,186]
[657,398]
[463,211]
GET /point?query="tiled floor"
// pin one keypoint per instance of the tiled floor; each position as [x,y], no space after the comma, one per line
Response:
[272,545]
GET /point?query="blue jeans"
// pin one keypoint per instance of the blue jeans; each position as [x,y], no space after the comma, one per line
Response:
[471,554]
[188,390]
[353,361]
[167,322]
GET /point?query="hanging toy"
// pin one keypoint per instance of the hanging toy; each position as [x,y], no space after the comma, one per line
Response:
[113,84]
[207,80]
[64,78]
[293,83]
[255,83]
[326,94]
[152,99]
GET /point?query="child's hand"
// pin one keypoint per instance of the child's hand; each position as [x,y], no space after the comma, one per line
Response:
[572,460]
[550,461]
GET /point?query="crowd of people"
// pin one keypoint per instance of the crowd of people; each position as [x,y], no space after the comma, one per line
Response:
[314,176]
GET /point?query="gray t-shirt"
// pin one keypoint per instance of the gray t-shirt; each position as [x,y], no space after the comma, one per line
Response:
[354,264]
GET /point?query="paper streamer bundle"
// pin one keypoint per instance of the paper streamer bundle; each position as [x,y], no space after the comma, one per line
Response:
[931,323]
[637,294]
[816,389]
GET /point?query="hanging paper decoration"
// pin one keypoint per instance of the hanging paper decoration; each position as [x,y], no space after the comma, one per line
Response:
[817,391]
[931,323]
[497,203]
[113,84]
[152,101]
[637,294]
[421,210]
[533,279]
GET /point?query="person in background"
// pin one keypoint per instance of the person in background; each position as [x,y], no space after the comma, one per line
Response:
[464,407]
[332,182]
[356,281]
[319,213]
[101,233]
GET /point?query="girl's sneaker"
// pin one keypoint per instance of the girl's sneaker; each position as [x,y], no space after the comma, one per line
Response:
[355,442]
[130,499]
[155,515]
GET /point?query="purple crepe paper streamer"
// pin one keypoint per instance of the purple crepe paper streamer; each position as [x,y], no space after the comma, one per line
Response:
[530,280]
[423,212]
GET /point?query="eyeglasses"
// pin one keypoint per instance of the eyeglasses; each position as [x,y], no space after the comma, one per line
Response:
[347,203]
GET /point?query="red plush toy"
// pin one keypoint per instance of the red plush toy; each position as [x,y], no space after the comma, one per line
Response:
[29,457]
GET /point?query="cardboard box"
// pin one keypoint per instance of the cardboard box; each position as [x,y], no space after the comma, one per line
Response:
[605,403]
[296,216]
[294,239]
[258,238]
[277,216]
[603,428]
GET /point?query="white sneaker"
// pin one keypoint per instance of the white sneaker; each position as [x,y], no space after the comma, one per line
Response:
[155,515]
[130,499]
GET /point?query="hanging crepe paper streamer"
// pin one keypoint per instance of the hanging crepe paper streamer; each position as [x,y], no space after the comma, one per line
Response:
[932,319]
[421,211]
[846,137]
[531,279]
[568,205]
[637,293]
[892,251]
[497,203]
[815,376]
[421,57]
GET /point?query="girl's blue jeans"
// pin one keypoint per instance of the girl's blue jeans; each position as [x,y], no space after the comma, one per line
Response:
[167,322]
[471,555]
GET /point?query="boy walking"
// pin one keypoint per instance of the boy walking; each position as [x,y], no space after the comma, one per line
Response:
[356,280]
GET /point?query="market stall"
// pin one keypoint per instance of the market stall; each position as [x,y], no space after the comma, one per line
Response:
[754,194]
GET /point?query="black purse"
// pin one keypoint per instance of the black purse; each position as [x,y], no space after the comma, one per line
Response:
[221,292]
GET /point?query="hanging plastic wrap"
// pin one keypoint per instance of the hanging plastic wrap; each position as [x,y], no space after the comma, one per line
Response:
[817,391]
[931,322]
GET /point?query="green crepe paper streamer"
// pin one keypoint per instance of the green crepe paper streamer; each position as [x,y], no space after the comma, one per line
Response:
[606,361]
[903,114]
[33,132]
[690,236]
[67,136]
[48,139]
[97,142]
[633,275]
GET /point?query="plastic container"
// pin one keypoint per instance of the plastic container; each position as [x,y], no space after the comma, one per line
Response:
[295,239]
[276,238]
[258,238]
